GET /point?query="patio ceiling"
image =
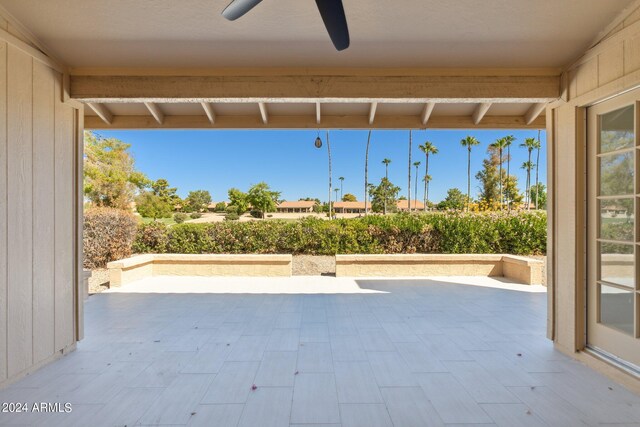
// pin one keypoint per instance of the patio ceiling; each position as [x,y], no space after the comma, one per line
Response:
[184,66]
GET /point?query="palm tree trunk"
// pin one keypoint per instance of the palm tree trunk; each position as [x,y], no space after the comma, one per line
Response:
[500,181]
[508,166]
[415,196]
[528,198]
[409,175]
[537,163]
[386,175]
[468,177]
[366,176]
[426,186]
[329,153]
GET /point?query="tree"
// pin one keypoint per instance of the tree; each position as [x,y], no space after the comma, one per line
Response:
[366,176]
[150,205]
[160,188]
[455,200]
[349,198]
[197,201]
[511,190]
[530,144]
[383,196]
[537,147]
[415,195]
[220,207]
[238,199]
[539,190]
[262,198]
[528,166]
[409,174]
[508,140]
[386,162]
[427,148]
[337,190]
[110,177]
[469,142]
[499,146]
[341,182]
[489,178]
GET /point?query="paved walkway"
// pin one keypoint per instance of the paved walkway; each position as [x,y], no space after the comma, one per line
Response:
[395,352]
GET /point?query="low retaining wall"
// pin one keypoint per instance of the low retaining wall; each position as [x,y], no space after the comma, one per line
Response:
[138,267]
[520,269]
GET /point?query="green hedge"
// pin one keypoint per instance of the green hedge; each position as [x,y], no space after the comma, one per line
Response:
[522,233]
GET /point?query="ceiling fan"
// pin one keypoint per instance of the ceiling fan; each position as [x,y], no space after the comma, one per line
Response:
[332,13]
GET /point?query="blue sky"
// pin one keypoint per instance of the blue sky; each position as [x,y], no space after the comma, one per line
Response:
[287,160]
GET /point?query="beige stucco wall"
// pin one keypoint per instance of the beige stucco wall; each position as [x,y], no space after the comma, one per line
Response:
[611,67]
[520,269]
[39,223]
[138,267]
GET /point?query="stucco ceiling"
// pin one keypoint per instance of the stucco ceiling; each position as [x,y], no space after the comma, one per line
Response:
[290,33]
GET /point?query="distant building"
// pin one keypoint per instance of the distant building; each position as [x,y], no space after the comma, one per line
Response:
[349,207]
[415,205]
[300,206]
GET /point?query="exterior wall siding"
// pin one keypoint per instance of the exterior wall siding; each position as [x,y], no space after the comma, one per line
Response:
[38,254]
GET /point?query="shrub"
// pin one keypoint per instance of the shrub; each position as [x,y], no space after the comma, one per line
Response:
[451,232]
[180,217]
[220,207]
[231,213]
[256,214]
[195,215]
[151,238]
[107,236]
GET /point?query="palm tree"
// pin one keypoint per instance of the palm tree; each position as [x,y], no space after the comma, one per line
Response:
[537,147]
[427,148]
[469,142]
[415,196]
[386,175]
[530,145]
[528,166]
[509,139]
[386,162]
[366,176]
[336,190]
[341,181]
[500,145]
[409,175]
[427,180]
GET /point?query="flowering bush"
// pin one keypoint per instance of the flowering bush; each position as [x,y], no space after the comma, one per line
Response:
[521,233]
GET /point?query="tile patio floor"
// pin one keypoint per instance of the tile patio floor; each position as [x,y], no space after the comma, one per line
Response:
[383,353]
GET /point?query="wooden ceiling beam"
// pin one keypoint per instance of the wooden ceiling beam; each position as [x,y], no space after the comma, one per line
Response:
[155,112]
[208,110]
[534,111]
[263,112]
[480,111]
[426,112]
[102,111]
[318,113]
[310,122]
[372,112]
[316,88]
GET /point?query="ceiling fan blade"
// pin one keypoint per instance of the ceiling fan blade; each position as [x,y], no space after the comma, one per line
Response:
[237,8]
[332,13]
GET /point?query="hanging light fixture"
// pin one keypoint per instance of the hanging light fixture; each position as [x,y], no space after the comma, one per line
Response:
[318,142]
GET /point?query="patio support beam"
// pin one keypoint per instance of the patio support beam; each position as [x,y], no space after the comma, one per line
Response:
[102,111]
[155,112]
[208,110]
[480,111]
[263,112]
[372,112]
[309,122]
[318,113]
[534,111]
[426,112]
[320,86]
